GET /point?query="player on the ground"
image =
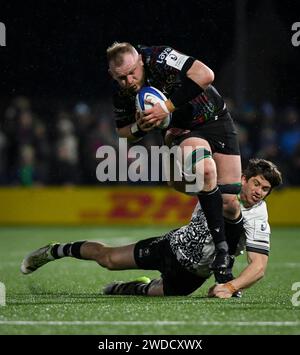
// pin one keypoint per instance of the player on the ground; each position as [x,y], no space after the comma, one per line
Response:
[183,256]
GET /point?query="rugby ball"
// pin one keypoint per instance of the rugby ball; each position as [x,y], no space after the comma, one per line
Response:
[150,93]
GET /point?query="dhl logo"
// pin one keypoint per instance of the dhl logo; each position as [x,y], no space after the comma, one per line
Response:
[128,207]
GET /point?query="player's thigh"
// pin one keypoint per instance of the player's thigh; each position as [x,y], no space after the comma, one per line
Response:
[191,144]
[228,168]
[177,279]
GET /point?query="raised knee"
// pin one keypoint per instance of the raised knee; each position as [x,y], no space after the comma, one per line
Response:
[231,207]
[209,169]
[209,173]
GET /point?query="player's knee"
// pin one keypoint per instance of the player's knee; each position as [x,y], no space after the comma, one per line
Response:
[231,207]
[210,172]
[207,169]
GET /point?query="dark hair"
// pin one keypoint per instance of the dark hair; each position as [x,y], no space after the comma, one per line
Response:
[265,168]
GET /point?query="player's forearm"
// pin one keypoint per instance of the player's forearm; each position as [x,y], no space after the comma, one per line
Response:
[131,132]
[253,273]
[124,132]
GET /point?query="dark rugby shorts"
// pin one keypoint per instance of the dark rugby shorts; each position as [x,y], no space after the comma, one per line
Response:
[156,254]
[221,134]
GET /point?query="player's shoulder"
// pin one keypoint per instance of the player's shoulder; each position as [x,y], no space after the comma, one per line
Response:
[154,54]
[150,50]
[259,210]
[262,208]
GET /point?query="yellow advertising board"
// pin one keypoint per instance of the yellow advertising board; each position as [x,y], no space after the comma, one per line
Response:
[120,205]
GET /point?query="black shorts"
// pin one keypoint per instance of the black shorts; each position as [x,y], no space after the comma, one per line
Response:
[221,135]
[156,254]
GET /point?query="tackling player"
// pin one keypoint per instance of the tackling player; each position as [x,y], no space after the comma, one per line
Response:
[183,256]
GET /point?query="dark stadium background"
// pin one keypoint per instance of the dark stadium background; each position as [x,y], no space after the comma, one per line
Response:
[58,47]
[55,57]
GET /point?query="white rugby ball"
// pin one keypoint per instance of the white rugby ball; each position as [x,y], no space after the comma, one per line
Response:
[154,95]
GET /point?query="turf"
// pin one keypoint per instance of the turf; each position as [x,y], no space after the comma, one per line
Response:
[63,297]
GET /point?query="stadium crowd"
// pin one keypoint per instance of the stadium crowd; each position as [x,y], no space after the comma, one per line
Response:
[52,143]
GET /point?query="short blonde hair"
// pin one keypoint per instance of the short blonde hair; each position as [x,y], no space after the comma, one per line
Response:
[116,51]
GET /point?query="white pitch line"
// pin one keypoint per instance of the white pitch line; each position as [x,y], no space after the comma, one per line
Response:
[155,323]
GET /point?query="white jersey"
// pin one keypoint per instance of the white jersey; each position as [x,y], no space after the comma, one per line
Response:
[257,229]
[193,245]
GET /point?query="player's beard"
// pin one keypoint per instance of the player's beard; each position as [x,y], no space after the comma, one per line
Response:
[138,85]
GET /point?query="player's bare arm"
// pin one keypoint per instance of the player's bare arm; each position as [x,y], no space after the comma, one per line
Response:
[249,276]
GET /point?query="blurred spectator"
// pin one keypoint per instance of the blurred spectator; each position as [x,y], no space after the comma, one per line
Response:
[25,129]
[293,174]
[41,144]
[67,139]
[42,151]
[28,173]
[99,136]
[18,105]
[290,131]
[64,172]
[65,166]
[271,152]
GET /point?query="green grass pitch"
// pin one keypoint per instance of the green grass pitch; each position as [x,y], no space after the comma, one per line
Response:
[63,297]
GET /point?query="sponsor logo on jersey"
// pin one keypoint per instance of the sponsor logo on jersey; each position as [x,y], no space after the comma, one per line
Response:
[176,59]
[163,55]
[263,227]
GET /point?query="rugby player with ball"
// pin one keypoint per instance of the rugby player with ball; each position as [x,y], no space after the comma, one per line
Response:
[200,121]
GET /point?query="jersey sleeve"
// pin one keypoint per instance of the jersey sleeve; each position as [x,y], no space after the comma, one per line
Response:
[169,60]
[257,230]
